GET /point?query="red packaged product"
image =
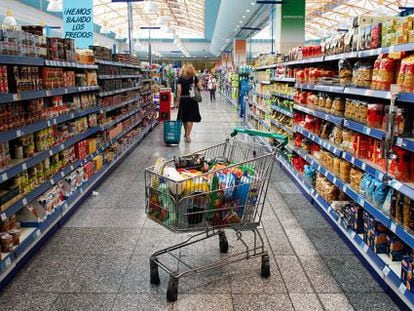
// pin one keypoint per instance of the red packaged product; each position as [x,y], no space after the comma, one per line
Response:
[400,167]
[375,115]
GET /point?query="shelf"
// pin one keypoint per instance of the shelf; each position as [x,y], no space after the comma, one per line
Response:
[341,56]
[406,143]
[114,92]
[15,97]
[38,61]
[367,93]
[264,82]
[361,128]
[118,64]
[260,108]
[284,96]
[23,165]
[21,60]
[282,126]
[30,236]
[264,96]
[55,63]
[267,67]
[310,60]
[287,80]
[110,108]
[107,77]
[37,126]
[319,114]
[126,116]
[263,123]
[282,110]
[328,146]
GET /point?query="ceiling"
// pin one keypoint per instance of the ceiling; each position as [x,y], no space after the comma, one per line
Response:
[324,17]
[185,17]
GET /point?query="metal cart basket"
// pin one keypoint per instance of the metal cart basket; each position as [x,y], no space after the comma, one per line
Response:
[229,196]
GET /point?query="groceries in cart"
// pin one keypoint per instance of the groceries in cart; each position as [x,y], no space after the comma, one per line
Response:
[193,191]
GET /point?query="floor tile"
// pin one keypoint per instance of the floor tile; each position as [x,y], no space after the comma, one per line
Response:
[142,302]
[98,274]
[21,301]
[335,302]
[300,242]
[328,242]
[296,200]
[359,281]
[262,302]
[205,302]
[371,302]
[319,275]
[305,302]
[83,302]
[293,275]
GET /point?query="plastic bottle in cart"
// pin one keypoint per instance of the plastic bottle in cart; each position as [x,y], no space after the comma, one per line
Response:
[167,203]
[242,193]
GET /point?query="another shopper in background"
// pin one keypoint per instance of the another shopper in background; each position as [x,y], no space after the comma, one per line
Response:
[188,110]
[212,86]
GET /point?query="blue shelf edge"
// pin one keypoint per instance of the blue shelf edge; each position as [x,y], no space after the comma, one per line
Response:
[361,128]
[282,126]
[320,114]
[328,146]
[282,110]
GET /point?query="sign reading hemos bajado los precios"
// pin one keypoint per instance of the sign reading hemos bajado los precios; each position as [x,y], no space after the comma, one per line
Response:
[78,22]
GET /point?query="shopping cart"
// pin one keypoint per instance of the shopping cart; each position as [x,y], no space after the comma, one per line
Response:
[229,196]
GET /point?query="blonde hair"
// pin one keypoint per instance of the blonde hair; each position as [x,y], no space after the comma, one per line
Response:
[188,71]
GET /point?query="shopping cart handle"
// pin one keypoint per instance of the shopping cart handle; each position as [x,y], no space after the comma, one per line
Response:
[281,138]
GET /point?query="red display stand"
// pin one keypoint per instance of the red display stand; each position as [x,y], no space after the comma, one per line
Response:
[165,105]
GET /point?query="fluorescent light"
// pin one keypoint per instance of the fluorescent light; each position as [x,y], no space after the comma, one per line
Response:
[252,3]
[9,20]
[248,11]
[55,6]
[244,16]
[151,7]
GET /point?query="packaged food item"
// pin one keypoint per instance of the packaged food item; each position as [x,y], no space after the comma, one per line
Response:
[338,106]
[345,72]
[355,177]
[6,241]
[344,170]
[362,75]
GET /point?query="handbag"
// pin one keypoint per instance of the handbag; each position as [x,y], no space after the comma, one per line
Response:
[195,92]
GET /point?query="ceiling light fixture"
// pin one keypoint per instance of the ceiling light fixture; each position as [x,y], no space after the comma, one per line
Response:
[248,11]
[9,20]
[104,28]
[151,7]
[55,6]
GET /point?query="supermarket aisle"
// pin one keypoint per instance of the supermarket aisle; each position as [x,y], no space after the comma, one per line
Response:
[99,261]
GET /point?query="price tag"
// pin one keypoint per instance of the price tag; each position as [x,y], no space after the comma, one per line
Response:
[367,130]
[62,147]
[54,121]
[361,201]
[52,182]
[7,262]
[38,233]
[50,152]
[391,48]
[65,206]
[49,123]
[399,141]
[329,209]
[48,93]
[72,115]
[81,190]
[346,122]
[334,180]
[62,174]
[393,227]
[386,270]
[71,167]
[353,160]
[353,234]
[3,217]
[24,166]
[24,201]
[366,248]
[19,133]
[380,175]
[363,166]
[335,150]
[402,288]
[16,97]
[319,167]
[397,185]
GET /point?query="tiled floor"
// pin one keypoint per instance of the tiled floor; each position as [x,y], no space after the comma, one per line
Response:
[99,261]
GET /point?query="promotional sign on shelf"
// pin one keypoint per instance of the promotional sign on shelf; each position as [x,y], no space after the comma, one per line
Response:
[78,22]
[239,52]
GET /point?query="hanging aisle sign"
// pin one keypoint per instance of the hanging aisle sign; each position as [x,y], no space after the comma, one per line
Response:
[78,22]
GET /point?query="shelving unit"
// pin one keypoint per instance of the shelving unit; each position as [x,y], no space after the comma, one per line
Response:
[387,270]
[140,119]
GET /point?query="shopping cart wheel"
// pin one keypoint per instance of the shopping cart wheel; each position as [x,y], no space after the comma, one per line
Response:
[154,275]
[265,266]
[172,290]
[224,243]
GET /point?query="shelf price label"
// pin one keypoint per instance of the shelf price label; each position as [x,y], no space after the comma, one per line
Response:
[7,262]
[402,288]
[386,270]
[3,217]
[393,227]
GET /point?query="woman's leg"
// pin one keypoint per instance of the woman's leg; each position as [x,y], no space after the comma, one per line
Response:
[211,95]
[214,94]
[188,126]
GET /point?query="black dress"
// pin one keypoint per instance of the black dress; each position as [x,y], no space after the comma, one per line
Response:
[188,110]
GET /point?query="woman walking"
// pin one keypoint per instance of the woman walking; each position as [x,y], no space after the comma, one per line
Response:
[188,110]
[212,86]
